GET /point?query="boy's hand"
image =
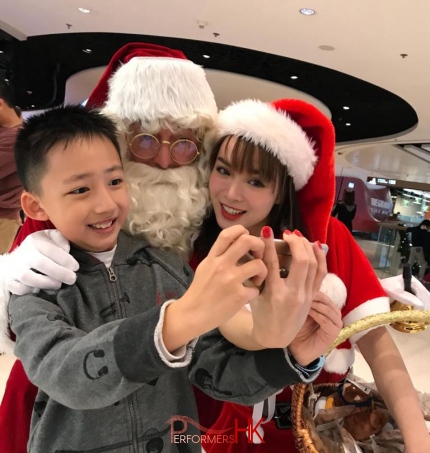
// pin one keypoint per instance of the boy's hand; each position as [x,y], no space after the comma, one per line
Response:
[217,291]
[42,261]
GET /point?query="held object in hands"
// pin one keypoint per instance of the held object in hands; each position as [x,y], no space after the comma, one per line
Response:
[282,249]
[284,255]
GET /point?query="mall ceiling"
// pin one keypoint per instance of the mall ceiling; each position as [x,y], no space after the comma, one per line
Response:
[40,66]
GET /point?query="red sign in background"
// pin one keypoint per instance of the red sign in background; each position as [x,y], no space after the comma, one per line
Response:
[373,203]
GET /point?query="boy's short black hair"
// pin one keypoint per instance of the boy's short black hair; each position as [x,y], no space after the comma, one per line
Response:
[7,94]
[60,125]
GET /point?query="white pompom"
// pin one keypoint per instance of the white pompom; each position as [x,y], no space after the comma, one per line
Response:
[333,287]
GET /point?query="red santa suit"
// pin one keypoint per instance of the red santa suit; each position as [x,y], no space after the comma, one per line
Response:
[316,184]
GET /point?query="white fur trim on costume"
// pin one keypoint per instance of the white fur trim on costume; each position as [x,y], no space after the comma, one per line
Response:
[371,307]
[275,130]
[339,361]
[333,287]
[395,288]
[161,88]
[6,344]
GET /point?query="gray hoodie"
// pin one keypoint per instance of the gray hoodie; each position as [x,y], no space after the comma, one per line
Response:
[93,350]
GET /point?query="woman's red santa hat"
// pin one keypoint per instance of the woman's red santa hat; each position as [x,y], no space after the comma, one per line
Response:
[148,82]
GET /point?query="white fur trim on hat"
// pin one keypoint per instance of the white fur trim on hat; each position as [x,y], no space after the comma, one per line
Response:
[275,130]
[148,89]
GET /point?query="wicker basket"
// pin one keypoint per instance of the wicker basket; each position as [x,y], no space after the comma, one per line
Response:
[304,435]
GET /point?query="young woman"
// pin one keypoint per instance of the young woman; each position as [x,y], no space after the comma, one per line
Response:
[273,164]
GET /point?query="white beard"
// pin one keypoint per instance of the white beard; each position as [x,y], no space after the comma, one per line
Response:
[167,206]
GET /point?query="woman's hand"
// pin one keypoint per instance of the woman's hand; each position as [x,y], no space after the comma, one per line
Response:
[319,331]
[283,306]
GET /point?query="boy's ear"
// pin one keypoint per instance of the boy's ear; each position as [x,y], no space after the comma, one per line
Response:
[30,204]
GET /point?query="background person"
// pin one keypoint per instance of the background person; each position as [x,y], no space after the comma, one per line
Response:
[10,187]
[346,209]
[420,248]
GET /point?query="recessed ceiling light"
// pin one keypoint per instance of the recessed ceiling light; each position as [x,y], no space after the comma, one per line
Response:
[206,56]
[325,47]
[1,51]
[87,50]
[345,107]
[347,124]
[294,77]
[29,92]
[6,80]
[32,105]
[307,11]
[84,10]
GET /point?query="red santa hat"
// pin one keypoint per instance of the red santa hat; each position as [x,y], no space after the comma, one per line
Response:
[303,139]
[146,82]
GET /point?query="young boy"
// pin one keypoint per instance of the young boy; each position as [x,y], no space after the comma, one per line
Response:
[111,354]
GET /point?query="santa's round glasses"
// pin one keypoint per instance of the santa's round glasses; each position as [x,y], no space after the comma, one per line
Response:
[147,146]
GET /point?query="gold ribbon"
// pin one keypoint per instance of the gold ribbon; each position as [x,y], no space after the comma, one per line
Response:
[421,316]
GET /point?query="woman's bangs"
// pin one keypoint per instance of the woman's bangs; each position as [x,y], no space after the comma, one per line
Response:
[251,158]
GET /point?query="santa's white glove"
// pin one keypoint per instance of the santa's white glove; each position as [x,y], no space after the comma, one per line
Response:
[42,261]
[395,288]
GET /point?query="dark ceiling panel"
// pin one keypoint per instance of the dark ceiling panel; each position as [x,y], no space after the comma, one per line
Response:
[40,66]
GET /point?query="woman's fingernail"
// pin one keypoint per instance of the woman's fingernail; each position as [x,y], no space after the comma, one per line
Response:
[319,244]
[287,232]
[266,232]
[297,233]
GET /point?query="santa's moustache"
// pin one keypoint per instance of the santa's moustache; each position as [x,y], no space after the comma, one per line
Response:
[167,206]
